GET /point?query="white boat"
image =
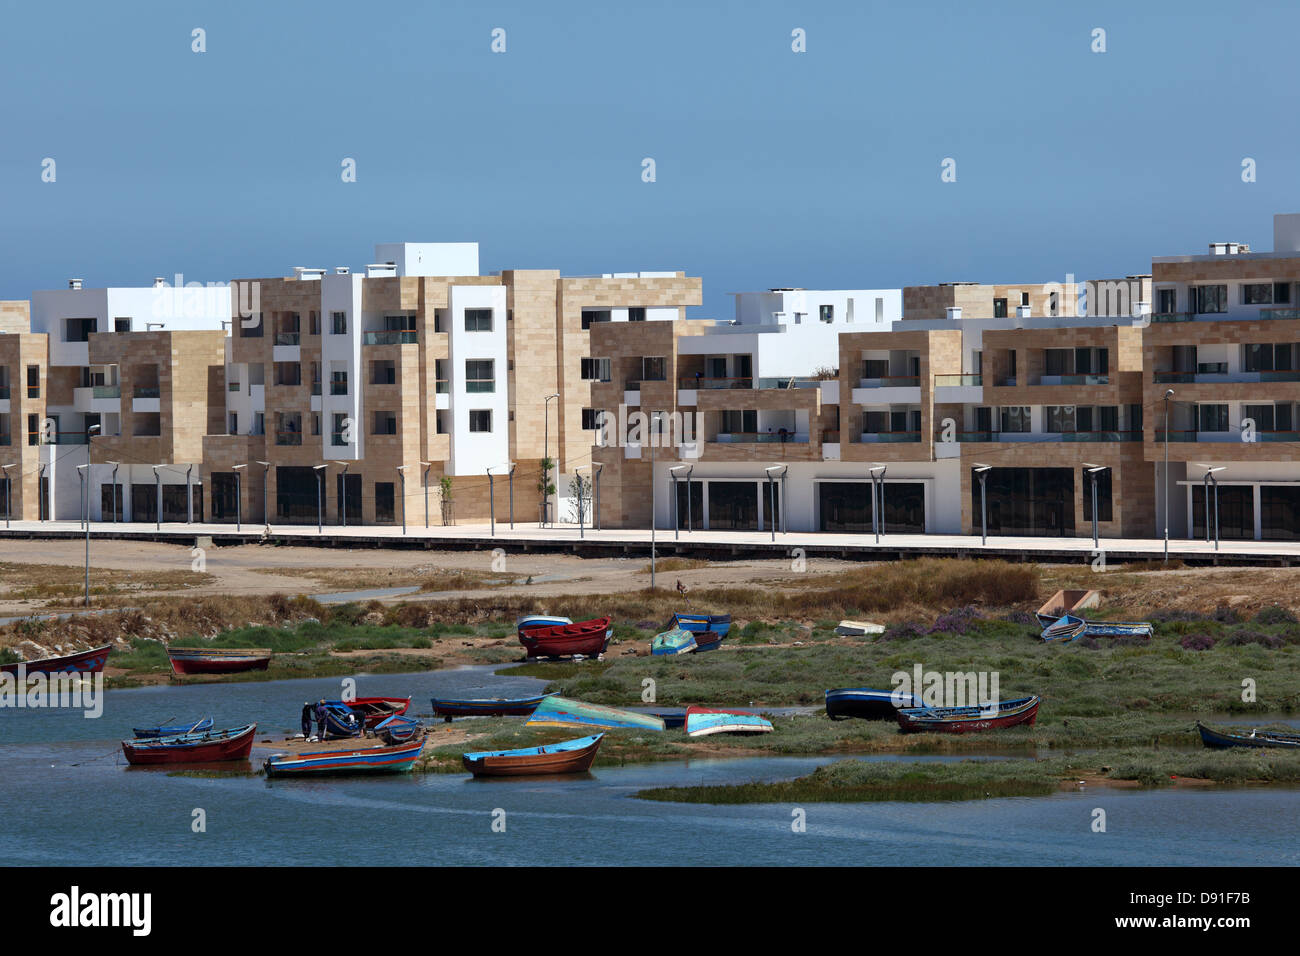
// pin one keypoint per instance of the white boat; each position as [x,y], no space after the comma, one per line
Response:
[859,628]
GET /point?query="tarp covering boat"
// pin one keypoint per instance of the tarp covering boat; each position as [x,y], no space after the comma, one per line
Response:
[562,712]
[568,756]
[961,720]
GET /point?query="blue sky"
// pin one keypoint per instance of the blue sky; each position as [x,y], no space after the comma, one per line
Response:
[819,169]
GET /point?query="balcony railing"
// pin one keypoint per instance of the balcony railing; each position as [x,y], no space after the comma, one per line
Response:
[106,391]
[232,387]
[1216,378]
[788,438]
[1101,436]
[5,440]
[338,388]
[1046,437]
[702,381]
[1171,316]
[287,338]
[1226,437]
[481,385]
[958,380]
[391,337]
[288,438]
[441,386]
[145,391]
[61,438]
[1280,312]
[891,381]
[792,382]
[315,388]
[890,437]
[1086,379]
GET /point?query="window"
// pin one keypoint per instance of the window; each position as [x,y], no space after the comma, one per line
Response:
[251,327]
[78,330]
[636,314]
[315,423]
[1166,301]
[478,320]
[1281,293]
[590,419]
[480,375]
[339,382]
[33,381]
[826,313]
[338,323]
[234,424]
[385,424]
[1209,299]
[1058,361]
[480,420]
[383,372]
[341,430]
[384,501]
[653,368]
[1212,418]
[288,373]
[1060,418]
[1108,418]
[122,325]
[1024,298]
[739,422]
[594,315]
[595,370]
[1257,358]
[1257,293]
[999,308]
[33,429]
[399,323]
[440,425]
[1261,415]
[1016,418]
[313,323]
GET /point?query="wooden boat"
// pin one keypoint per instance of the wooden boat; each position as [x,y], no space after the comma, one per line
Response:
[373,710]
[82,662]
[961,720]
[702,721]
[588,638]
[341,721]
[542,620]
[397,729]
[672,718]
[866,703]
[1066,602]
[209,747]
[171,731]
[1065,628]
[858,628]
[1118,629]
[676,641]
[449,707]
[709,629]
[561,712]
[569,756]
[396,759]
[218,660]
[1256,738]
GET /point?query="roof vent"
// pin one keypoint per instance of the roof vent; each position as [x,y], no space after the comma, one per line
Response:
[159,282]
[1228,248]
[341,270]
[74,283]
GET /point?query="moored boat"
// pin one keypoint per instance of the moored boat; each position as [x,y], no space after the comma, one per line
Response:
[397,728]
[174,729]
[209,747]
[341,721]
[672,718]
[1256,738]
[961,720]
[676,641]
[373,710]
[866,703]
[1065,628]
[218,660]
[561,712]
[82,662]
[396,759]
[568,756]
[709,629]
[449,707]
[702,721]
[586,638]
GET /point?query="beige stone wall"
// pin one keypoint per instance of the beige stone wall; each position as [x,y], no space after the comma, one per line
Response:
[15,316]
[17,351]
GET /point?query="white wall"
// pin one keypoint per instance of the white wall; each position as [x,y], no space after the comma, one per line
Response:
[430,258]
[473,453]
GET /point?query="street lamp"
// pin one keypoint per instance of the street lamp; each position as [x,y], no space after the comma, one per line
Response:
[1094,472]
[320,488]
[982,471]
[266,481]
[90,457]
[83,472]
[771,492]
[427,465]
[113,495]
[1169,393]
[595,495]
[1211,482]
[401,474]
[676,497]
[492,505]
[546,452]
[239,497]
[9,494]
[654,427]
[157,494]
[511,466]
[877,473]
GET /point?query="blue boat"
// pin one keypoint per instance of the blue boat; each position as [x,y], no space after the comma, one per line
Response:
[709,629]
[396,759]
[397,728]
[341,721]
[568,756]
[867,703]
[676,641]
[1067,627]
[672,718]
[1256,738]
[702,721]
[560,712]
[174,729]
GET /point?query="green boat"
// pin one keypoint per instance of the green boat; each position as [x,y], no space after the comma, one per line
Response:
[560,712]
[676,641]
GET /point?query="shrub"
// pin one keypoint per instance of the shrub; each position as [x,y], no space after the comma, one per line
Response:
[1242,638]
[1197,642]
[957,621]
[1274,615]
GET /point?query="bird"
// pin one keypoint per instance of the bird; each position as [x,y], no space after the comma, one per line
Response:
[681,588]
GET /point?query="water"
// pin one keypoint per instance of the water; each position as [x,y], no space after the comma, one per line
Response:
[67,798]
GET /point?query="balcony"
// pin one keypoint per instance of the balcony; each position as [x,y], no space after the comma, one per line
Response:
[1073,380]
[1217,378]
[391,337]
[480,385]
[441,386]
[288,438]
[287,338]
[1172,316]
[713,383]
[891,381]
[958,381]
[4,391]
[1223,438]
[146,391]
[1280,312]
[869,438]
[106,391]
[60,438]
[768,438]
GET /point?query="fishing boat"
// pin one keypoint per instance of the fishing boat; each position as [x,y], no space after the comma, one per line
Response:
[449,707]
[542,620]
[702,721]
[83,662]
[672,718]
[341,721]
[961,720]
[1068,601]
[676,641]
[372,710]
[396,759]
[1118,629]
[858,628]
[1065,628]
[172,730]
[218,660]
[561,712]
[209,747]
[709,629]
[397,729]
[1256,738]
[586,638]
[569,756]
[866,703]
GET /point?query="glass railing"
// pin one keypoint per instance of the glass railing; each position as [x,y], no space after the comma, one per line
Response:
[1101,436]
[64,438]
[958,380]
[338,388]
[288,438]
[1280,312]
[1171,316]
[789,438]
[315,388]
[232,387]
[441,386]
[792,382]
[703,381]
[481,385]
[4,391]
[890,437]
[1226,377]
[891,381]
[106,391]
[286,338]
[1074,380]
[391,337]
[4,440]
[145,391]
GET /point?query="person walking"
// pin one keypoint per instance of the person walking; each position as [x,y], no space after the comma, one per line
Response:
[306,719]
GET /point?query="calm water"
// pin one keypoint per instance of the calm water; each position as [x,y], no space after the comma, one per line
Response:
[68,798]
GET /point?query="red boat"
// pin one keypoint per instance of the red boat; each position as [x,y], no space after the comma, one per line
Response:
[588,638]
[84,662]
[218,660]
[962,720]
[209,747]
[374,710]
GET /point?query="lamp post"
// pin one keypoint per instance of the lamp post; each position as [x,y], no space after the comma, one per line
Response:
[343,493]
[239,497]
[546,453]
[157,494]
[1094,472]
[9,494]
[1169,393]
[427,465]
[877,473]
[1208,482]
[401,474]
[113,495]
[83,472]
[654,426]
[982,471]
[676,516]
[320,489]
[510,474]
[595,495]
[771,492]
[42,502]
[266,481]
[492,505]
[189,495]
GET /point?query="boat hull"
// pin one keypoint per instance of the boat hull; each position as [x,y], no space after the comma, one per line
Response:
[83,662]
[571,756]
[703,721]
[865,703]
[216,660]
[204,748]
[375,710]
[585,638]
[396,759]
[677,641]
[709,629]
[1219,739]
[965,720]
[560,712]
[447,707]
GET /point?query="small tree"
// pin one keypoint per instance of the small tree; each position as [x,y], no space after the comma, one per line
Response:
[579,499]
[445,494]
[546,488]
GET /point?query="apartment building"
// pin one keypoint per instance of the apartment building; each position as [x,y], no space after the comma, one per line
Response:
[329,394]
